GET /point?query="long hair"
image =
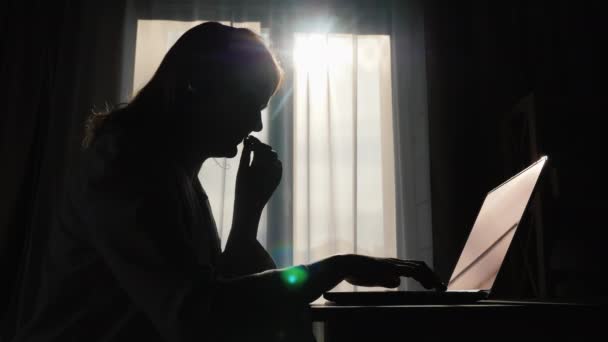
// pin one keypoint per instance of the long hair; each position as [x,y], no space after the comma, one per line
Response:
[209,58]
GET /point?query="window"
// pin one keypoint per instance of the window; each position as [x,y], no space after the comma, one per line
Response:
[344,199]
[343,191]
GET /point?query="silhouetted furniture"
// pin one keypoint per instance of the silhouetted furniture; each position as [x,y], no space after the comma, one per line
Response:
[484,320]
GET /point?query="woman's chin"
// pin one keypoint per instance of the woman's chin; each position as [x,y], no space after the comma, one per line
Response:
[227,151]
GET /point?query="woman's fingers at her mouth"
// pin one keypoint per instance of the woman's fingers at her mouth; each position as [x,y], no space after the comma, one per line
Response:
[256,145]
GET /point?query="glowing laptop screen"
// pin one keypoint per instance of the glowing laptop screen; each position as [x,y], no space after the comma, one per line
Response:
[493,231]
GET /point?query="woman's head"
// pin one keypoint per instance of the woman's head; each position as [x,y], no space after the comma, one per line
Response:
[208,92]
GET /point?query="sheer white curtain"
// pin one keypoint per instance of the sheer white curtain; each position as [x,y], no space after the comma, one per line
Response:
[350,122]
[344,185]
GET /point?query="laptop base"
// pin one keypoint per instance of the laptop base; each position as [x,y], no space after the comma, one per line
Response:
[404,297]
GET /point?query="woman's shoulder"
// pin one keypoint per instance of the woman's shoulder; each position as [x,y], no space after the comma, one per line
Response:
[110,164]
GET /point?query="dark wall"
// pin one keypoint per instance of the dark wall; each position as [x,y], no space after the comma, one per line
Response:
[481,59]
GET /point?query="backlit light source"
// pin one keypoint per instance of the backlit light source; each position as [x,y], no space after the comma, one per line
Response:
[318,52]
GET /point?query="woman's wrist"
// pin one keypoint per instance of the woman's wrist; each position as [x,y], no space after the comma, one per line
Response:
[335,266]
[246,217]
[341,264]
[324,275]
[245,223]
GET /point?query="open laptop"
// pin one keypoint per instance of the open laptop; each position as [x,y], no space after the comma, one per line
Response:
[481,257]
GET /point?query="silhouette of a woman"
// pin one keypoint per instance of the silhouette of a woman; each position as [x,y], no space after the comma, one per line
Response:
[135,254]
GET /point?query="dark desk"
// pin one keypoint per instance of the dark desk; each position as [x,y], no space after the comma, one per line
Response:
[494,319]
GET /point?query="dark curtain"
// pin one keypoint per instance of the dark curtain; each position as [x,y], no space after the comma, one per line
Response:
[59,58]
[482,59]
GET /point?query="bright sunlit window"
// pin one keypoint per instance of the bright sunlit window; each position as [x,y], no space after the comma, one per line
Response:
[343,192]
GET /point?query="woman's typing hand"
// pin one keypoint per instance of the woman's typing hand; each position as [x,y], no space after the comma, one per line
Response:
[386,272]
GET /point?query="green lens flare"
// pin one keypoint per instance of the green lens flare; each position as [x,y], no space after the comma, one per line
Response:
[295,276]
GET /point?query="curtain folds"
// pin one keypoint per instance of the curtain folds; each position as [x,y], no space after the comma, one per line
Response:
[290,28]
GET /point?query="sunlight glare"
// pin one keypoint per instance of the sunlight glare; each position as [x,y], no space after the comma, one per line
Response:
[316,52]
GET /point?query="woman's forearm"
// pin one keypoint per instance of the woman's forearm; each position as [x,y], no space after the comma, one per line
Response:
[298,285]
[245,258]
[243,254]
[244,225]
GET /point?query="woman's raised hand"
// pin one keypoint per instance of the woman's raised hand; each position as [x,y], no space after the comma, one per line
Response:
[257,180]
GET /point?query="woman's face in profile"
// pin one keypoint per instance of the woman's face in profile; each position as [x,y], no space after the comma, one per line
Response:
[224,119]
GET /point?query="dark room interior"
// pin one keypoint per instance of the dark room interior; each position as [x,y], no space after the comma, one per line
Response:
[499,84]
